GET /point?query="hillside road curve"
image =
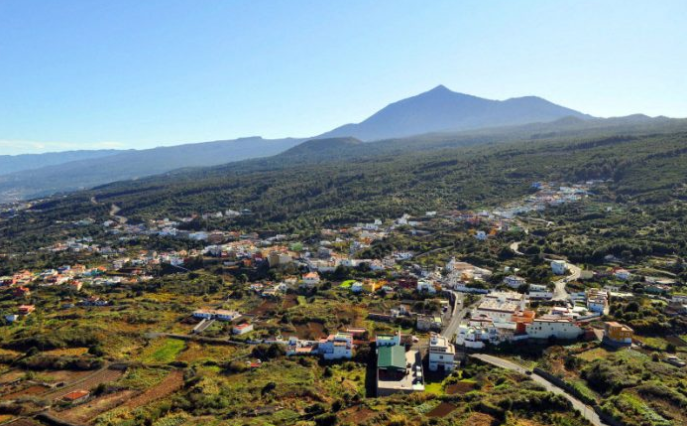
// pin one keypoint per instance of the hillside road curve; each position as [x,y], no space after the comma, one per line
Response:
[586,411]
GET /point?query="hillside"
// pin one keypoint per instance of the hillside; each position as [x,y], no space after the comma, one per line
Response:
[440,109]
[436,119]
[133,164]
[17,163]
[643,168]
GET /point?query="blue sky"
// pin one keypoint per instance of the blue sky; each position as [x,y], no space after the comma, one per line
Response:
[87,74]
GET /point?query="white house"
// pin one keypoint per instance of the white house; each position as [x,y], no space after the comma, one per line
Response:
[311,279]
[203,314]
[218,314]
[559,267]
[549,326]
[442,354]
[597,300]
[357,287]
[242,328]
[225,315]
[336,346]
[471,337]
[540,294]
[499,310]
[481,235]
[623,274]
[513,281]
[426,286]
[388,339]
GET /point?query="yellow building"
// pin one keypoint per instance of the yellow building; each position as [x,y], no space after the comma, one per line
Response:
[617,334]
[371,286]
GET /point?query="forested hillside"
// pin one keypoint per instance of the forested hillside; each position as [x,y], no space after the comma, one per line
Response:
[364,181]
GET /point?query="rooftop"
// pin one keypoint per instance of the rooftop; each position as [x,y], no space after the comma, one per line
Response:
[392,357]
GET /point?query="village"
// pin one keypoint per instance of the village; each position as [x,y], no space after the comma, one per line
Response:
[322,298]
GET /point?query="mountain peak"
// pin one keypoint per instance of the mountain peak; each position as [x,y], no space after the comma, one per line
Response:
[440,88]
[442,110]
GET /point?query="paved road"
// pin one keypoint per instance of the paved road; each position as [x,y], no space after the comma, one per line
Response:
[586,411]
[560,293]
[459,312]
[515,248]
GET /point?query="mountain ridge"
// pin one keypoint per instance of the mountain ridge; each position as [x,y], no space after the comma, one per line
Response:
[441,109]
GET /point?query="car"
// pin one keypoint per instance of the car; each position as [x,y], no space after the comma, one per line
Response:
[528,372]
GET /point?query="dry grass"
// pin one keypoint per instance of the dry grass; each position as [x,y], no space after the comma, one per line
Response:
[84,412]
[67,352]
[593,354]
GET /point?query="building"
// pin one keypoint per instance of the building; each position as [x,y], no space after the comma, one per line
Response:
[471,337]
[616,334]
[311,279]
[216,314]
[26,309]
[388,339]
[553,326]
[597,300]
[21,292]
[498,310]
[371,286]
[622,274]
[76,396]
[428,322]
[442,354]
[225,315]
[426,286]
[336,346]
[277,258]
[398,370]
[242,328]
[514,281]
[559,267]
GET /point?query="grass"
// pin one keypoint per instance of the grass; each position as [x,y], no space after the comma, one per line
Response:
[142,378]
[67,352]
[346,378]
[163,351]
[435,388]
[656,343]
[347,284]
[593,354]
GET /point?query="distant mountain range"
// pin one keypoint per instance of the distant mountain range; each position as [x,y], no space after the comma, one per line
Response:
[471,120]
[98,168]
[441,110]
[17,163]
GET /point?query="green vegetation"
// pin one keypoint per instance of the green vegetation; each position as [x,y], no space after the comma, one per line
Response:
[163,351]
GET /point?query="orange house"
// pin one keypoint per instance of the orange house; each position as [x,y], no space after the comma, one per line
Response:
[617,333]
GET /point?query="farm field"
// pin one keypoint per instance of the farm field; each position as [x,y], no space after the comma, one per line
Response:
[89,381]
[162,351]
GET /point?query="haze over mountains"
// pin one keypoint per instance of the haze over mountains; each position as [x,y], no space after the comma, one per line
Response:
[476,120]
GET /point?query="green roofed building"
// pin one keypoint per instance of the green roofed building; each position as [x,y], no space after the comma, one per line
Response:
[392,358]
[398,370]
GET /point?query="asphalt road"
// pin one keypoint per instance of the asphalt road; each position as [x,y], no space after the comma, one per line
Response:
[559,292]
[586,411]
[459,312]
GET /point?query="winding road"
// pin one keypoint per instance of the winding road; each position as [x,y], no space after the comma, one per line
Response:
[586,411]
[559,292]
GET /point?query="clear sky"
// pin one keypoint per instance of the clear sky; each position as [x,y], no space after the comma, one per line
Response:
[87,74]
